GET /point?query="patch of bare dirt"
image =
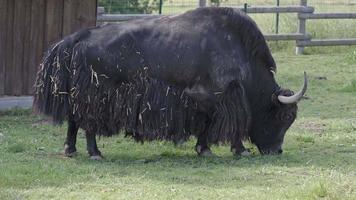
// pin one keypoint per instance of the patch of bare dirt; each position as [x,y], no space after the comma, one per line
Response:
[314,127]
[41,122]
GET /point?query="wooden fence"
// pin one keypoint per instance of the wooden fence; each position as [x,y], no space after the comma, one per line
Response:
[321,42]
[27,28]
[302,38]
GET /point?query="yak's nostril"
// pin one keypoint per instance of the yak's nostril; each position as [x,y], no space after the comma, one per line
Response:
[280,151]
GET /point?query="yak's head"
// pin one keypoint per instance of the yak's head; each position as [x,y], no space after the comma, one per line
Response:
[269,127]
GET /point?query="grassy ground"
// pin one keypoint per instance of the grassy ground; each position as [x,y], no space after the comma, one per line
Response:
[319,159]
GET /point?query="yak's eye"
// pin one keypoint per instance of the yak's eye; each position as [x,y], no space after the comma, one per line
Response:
[283,116]
[287,117]
[265,132]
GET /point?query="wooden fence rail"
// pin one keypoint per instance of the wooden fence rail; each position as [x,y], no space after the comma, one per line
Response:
[327,16]
[288,36]
[280,9]
[285,9]
[302,38]
[327,42]
[121,17]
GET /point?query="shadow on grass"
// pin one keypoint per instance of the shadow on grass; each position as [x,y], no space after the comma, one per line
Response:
[189,169]
[318,155]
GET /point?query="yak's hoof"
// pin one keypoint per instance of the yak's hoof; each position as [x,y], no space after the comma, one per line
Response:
[96,157]
[69,152]
[207,153]
[245,153]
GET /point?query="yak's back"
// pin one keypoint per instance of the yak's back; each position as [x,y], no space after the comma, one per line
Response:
[242,26]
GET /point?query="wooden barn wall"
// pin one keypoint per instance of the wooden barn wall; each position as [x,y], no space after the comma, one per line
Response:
[28,28]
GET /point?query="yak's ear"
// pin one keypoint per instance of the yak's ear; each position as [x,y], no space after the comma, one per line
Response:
[274,99]
[286,92]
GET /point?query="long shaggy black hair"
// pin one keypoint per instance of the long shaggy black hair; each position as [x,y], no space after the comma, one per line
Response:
[144,107]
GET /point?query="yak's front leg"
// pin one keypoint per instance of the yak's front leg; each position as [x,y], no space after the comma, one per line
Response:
[92,147]
[202,147]
[238,149]
[243,120]
[69,144]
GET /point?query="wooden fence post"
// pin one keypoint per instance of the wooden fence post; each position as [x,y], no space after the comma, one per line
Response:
[100,11]
[301,29]
[202,3]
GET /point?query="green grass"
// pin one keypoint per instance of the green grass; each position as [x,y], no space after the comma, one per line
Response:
[319,159]
[351,87]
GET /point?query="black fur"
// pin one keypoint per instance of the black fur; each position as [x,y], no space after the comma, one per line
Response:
[154,77]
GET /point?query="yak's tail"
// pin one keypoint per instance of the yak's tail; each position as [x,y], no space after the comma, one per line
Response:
[53,82]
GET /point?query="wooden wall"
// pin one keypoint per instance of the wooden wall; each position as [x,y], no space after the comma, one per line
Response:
[27,28]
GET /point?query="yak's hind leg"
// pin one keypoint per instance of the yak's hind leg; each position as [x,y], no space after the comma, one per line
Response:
[92,147]
[238,149]
[202,147]
[69,144]
[206,100]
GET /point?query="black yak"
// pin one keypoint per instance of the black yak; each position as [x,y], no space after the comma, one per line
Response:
[206,73]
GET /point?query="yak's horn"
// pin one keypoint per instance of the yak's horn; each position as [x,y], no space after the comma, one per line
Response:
[296,97]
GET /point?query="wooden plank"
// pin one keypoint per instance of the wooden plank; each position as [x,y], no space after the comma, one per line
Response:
[259,9]
[70,10]
[122,17]
[262,9]
[9,46]
[288,36]
[327,15]
[18,50]
[36,48]
[3,23]
[78,15]
[88,14]
[278,9]
[54,21]
[27,50]
[328,42]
